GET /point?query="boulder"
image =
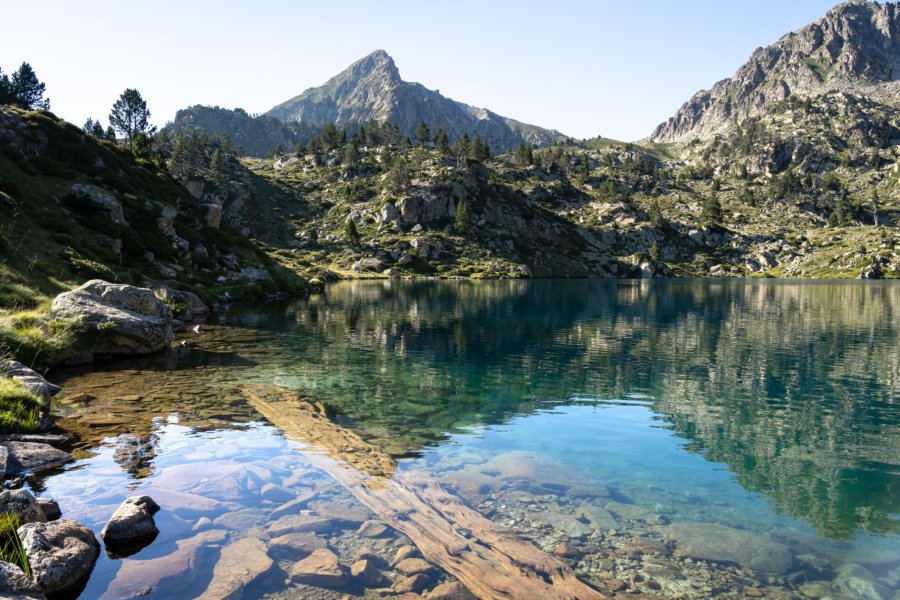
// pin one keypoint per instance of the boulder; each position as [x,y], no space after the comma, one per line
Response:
[121,320]
[322,568]
[102,199]
[22,504]
[371,265]
[132,522]
[50,507]
[61,553]
[718,543]
[27,457]
[15,585]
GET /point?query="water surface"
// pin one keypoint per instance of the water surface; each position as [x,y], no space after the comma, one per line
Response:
[606,415]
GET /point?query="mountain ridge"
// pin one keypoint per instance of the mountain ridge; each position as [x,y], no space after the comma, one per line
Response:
[854,48]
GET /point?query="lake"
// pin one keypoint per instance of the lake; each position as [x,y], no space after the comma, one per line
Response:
[679,438]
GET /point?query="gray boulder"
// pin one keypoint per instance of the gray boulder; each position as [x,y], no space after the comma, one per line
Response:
[27,457]
[102,199]
[132,522]
[61,553]
[22,504]
[121,320]
[14,585]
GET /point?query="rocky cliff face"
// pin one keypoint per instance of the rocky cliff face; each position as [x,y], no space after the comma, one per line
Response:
[371,89]
[854,48]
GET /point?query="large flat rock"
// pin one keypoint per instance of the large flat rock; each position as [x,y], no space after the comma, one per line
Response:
[240,564]
[28,457]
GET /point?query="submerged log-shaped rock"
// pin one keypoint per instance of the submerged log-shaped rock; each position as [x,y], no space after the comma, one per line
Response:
[491,560]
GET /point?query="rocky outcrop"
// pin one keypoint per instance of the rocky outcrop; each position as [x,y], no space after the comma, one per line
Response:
[132,523]
[371,89]
[855,47]
[61,553]
[120,320]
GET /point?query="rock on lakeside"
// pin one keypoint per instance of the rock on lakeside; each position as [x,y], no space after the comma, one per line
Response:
[120,320]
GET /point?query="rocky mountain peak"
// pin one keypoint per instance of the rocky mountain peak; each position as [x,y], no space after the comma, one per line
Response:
[377,61]
[854,48]
[371,89]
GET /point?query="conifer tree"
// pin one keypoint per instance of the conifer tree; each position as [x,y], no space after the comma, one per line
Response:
[422,133]
[442,141]
[24,89]
[130,117]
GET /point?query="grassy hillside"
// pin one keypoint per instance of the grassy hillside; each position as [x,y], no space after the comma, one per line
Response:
[74,208]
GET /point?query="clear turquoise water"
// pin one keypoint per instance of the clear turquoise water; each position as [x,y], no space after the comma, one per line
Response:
[768,406]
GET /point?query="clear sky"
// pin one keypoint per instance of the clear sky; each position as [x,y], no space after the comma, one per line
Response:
[586,68]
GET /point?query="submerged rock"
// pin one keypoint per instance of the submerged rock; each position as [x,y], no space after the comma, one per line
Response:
[240,564]
[322,568]
[61,553]
[293,546]
[50,507]
[22,504]
[172,574]
[120,319]
[14,584]
[450,590]
[132,522]
[367,573]
[718,543]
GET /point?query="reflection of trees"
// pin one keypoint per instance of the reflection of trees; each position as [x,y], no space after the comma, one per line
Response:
[795,387]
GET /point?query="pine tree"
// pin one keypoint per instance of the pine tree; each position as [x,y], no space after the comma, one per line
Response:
[462,148]
[442,141]
[26,89]
[463,217]
[422,133]
[131,117]
[217,168]
[656,216]
[351,233]
[712,211]
[6,95]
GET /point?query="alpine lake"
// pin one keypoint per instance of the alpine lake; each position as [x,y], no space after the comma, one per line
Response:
[672,439]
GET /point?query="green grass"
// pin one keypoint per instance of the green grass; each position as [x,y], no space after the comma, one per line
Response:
[20,410]
[11,549]
[33,338]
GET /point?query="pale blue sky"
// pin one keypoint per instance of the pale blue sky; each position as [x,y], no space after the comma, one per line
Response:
[585,68]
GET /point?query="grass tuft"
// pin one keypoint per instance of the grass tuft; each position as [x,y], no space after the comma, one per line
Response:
[11,549]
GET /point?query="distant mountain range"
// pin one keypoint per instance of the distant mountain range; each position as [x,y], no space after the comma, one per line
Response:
[369,89]
[854,48]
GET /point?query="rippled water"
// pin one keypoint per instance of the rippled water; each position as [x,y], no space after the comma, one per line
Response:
[680,418]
